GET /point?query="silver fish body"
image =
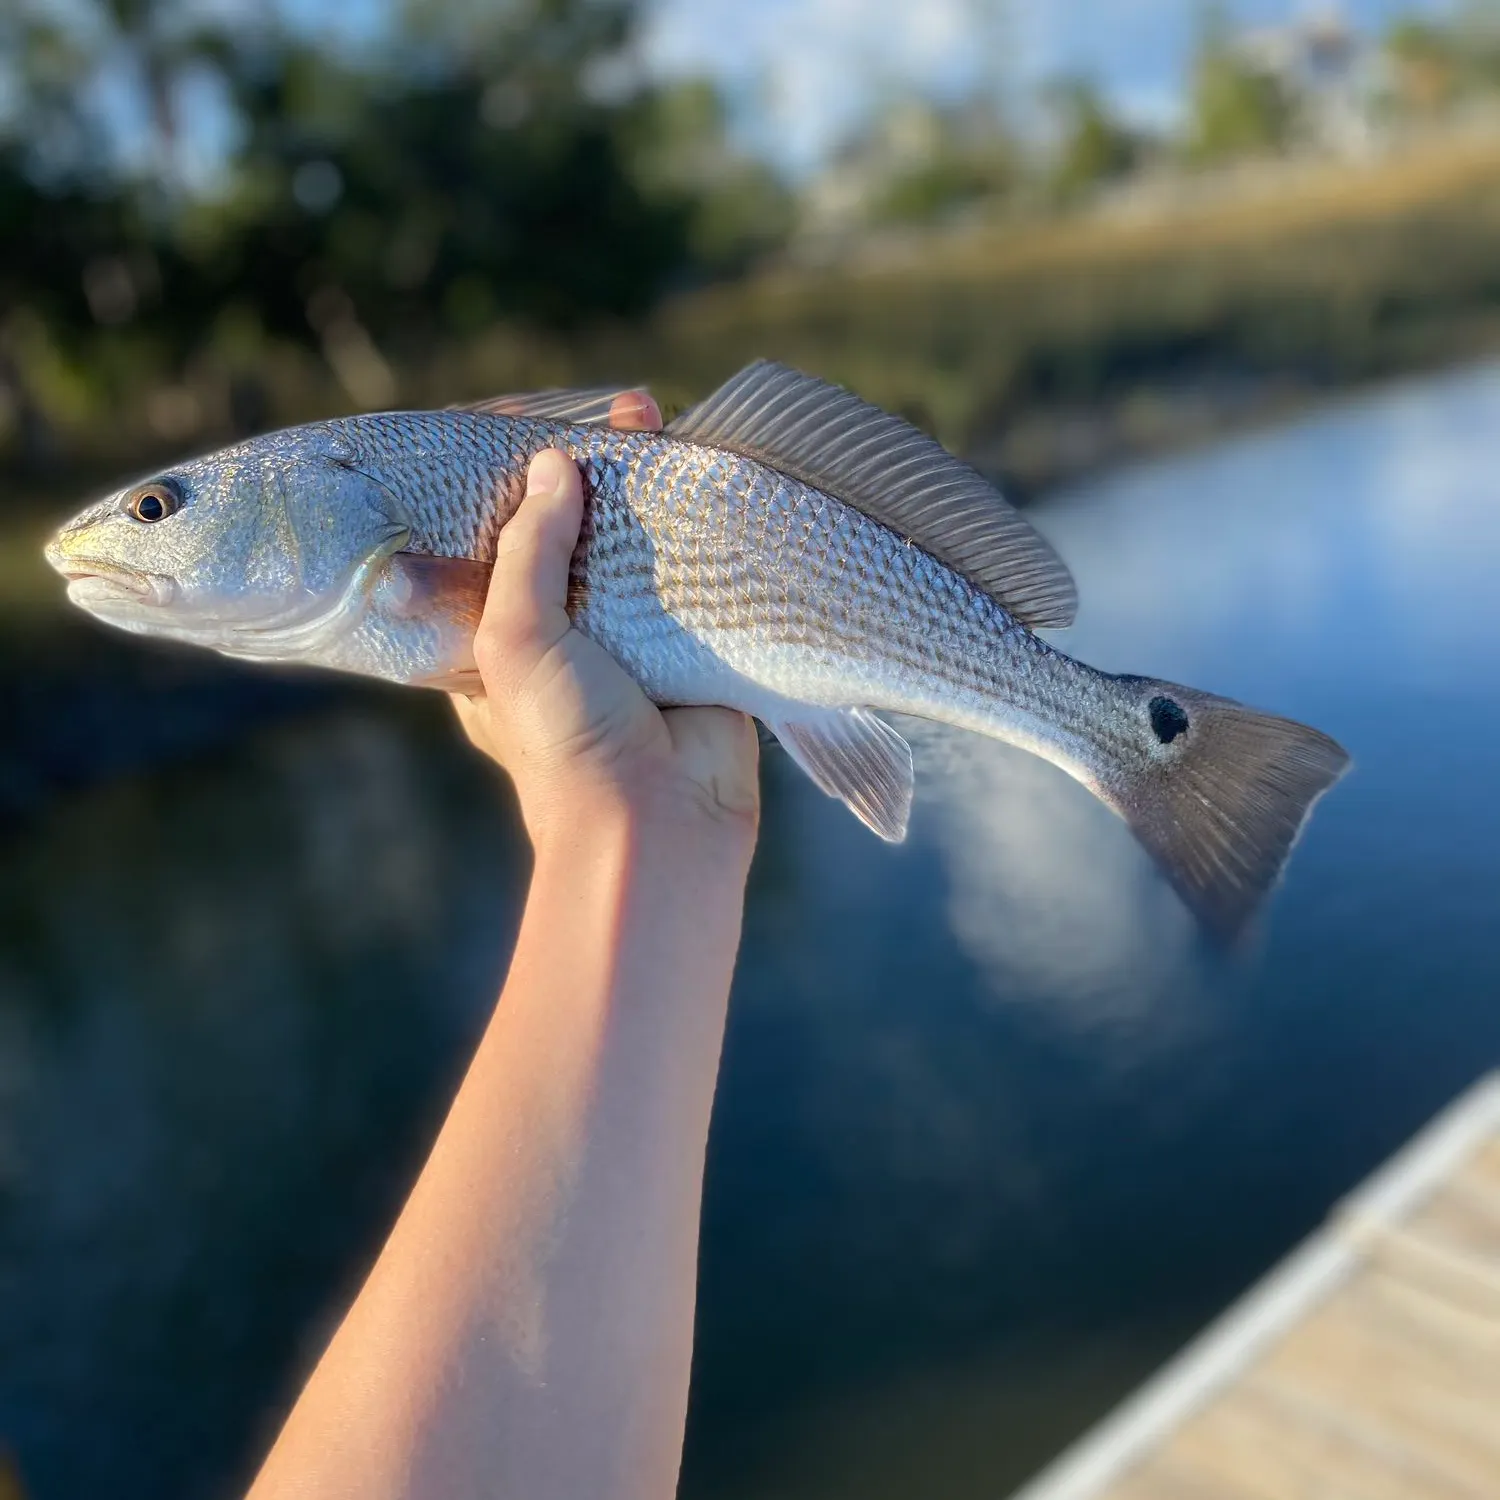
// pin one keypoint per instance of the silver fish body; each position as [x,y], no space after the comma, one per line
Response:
[714,574]
[713,578]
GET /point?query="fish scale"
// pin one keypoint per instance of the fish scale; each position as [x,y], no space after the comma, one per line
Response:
[783,548]
[658,510]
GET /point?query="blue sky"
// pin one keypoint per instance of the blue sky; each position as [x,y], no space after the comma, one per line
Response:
[802,74]
[804,71]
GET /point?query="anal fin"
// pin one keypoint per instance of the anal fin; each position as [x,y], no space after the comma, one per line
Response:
[854,755]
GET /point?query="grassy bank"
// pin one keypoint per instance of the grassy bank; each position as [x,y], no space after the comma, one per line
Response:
[1041,349]
[1048,348]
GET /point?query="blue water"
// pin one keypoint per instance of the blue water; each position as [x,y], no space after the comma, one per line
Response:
[996,1131]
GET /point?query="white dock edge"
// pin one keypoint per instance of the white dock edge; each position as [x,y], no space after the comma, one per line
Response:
[1274,1305]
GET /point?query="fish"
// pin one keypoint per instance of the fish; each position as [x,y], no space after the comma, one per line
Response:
[782,548]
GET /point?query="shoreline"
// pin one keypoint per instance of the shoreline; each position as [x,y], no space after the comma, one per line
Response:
[1054,450]
[70,675]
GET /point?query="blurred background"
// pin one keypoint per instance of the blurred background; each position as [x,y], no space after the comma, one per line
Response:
[1214,288]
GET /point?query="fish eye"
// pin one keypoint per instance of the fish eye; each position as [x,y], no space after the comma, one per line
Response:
[152,502]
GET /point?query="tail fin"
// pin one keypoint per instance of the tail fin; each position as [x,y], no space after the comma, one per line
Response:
[1218,794]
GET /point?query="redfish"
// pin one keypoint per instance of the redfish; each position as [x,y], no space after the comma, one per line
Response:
[783,548]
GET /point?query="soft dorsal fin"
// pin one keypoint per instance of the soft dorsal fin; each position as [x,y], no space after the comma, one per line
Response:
[828,438]
[584,407]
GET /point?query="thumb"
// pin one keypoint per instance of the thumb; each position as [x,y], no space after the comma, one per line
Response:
[525,613]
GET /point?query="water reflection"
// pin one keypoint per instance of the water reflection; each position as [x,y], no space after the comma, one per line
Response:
[1134,1128]
[1354,550]
[231,1002]
[994,1130]
[1048,892]
[1328,571]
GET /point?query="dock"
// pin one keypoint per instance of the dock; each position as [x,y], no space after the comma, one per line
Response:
[1366,1366]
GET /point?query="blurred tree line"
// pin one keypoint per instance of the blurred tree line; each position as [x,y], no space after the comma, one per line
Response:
[181,183]
[1438,63]
[1266,92]
[212,217]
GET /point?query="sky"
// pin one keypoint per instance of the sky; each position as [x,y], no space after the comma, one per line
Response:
[801,75]
[803,72]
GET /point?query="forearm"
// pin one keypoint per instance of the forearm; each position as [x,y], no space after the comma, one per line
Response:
[527,1330]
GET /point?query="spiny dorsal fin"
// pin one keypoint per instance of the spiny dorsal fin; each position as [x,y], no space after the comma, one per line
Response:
[828,438]
[857,757]
[582,407]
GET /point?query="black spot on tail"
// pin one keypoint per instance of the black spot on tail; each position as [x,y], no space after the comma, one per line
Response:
[1168,719]
[1222,811]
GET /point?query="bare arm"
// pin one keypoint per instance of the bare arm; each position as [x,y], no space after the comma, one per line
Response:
[526,1332]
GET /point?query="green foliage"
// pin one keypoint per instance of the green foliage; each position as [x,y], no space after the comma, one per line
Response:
[680,151]
[1093,147]
[1235,109]
[960,157]
[484,192]
[480,163]
[474,191]
[1436,63]
[1425,67]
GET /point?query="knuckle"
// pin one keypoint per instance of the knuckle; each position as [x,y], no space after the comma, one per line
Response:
[515,547]
[489,651]
[510,629]
[515,638]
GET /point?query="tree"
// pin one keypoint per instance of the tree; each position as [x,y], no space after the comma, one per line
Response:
[681,149]
[1092,146]
[1235,107]
[924,163]
[1425,65]
[478,162]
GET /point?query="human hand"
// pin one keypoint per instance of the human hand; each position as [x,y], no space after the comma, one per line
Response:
[578,736]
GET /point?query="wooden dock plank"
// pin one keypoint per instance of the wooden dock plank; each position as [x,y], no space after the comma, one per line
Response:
[1441,1426]
[1281,1451]
[1367,1367]
[1485,1165]
[1161,1477]
[1464,1217]
[1461,1276]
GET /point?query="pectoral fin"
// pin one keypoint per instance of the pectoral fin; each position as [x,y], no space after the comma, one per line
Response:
[857,757]
[446,591]
[448,588]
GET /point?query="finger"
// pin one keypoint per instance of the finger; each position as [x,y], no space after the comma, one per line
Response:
[635,411]
[525,612]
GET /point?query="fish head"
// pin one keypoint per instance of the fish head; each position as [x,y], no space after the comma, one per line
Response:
[235,549]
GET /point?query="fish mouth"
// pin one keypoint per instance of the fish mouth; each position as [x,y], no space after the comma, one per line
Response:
[286,628]
[100,583]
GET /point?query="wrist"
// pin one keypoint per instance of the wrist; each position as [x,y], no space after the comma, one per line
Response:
[613,823]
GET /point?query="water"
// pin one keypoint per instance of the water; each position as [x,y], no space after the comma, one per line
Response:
[995,1134]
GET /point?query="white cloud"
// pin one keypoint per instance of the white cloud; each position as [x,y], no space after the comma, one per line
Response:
[807,72]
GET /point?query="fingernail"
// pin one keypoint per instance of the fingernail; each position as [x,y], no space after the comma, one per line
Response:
[545,475]
[634,410]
